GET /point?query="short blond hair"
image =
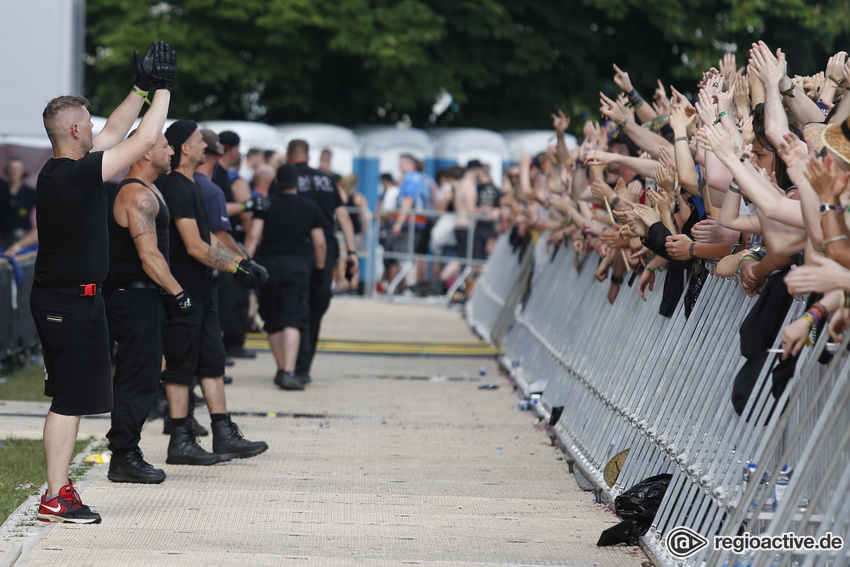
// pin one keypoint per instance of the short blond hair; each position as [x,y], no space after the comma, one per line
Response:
[56,108]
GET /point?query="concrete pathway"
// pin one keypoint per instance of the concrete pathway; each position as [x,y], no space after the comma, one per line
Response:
[383,460]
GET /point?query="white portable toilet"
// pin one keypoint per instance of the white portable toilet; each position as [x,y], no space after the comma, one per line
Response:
[458,146]
[98,122]
[380,150]
[251,134]
[533,142]
[342,142]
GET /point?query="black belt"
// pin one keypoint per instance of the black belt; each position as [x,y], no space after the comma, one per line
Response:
[138,284]
[81,290]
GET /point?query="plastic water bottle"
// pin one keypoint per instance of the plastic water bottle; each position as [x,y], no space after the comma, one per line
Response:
[781,485]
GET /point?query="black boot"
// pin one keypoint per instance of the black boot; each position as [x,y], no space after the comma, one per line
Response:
[131,467]
[229,442]
[183,449]
[197,429]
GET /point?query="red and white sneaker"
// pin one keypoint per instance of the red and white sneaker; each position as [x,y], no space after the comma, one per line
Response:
[67,507]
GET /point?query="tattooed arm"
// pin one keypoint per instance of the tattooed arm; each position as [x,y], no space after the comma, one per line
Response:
[215,254]
[136,208]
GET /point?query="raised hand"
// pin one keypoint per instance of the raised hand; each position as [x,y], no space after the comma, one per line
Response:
[660,101]
[793,151]
[678,99]
[164,72]
[828,181]
[621,79]
[680,121]
[560,122]
[819,274]
[610,109]
[143,66]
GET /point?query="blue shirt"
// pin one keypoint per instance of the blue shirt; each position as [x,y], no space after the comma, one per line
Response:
[216,204]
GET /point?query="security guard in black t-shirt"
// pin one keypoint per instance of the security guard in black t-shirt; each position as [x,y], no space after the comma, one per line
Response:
[321,188]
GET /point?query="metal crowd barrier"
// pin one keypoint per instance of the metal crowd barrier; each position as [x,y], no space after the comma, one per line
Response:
[499,290]
[17,331]
[372,252]
[625,378]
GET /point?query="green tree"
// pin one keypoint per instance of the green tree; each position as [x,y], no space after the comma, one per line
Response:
[506,64]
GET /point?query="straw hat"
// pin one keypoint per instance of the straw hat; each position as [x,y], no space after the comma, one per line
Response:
[812,135]
[836,137]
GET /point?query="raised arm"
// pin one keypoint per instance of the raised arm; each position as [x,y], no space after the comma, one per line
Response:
[119,157]
[643,111]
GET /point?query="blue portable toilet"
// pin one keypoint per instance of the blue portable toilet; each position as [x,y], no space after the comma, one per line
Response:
[457,146]
[380,150]
[342,142]
[533,142]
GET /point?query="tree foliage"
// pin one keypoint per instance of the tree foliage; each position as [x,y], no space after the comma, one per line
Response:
[506,64]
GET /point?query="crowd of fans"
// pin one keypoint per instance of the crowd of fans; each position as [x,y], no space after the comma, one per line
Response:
[749,180]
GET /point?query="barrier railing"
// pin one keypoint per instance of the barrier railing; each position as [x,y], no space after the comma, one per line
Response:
[625,378]
[17,330]
[373,252]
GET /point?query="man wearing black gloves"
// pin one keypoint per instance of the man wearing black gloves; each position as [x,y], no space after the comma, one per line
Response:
[193,346]
[138,282]
[322,189]
[73,259]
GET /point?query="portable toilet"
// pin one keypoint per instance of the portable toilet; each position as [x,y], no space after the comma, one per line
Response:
[342,142]
[251,134]
[533,142]
[458,146]
[380,150]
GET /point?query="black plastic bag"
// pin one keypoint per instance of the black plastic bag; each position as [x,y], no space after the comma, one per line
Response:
[637,507]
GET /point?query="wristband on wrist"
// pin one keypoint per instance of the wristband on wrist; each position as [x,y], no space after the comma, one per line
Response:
[615,201]
[789,93]
[716,122]
[141,93]
[724,113]
[691,249]
[834,239]
[622,124]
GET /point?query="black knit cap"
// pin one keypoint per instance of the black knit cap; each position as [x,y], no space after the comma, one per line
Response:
[287,177]
[176,135]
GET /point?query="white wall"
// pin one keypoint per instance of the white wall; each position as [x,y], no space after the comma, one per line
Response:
[42,43]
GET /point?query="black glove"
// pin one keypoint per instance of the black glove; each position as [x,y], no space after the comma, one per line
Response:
[350,261]
[260,272]
[144,67]
[244,274]
[258,203]
[164,66]
[179,305]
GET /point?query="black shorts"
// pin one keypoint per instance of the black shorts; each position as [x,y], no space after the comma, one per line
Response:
[285,299]
[75,341]
[193,345]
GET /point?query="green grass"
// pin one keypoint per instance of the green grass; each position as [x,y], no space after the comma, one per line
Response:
[22,471]
[24,385]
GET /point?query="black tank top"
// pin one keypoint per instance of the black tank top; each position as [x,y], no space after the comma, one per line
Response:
[124,262]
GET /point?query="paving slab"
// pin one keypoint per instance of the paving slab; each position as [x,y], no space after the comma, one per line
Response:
[382,460]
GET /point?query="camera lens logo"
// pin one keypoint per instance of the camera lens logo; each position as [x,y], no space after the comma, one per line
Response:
[683,542]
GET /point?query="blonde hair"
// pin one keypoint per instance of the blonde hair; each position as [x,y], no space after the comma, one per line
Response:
[348,183]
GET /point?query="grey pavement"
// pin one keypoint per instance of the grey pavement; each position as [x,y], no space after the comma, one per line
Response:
[383,460]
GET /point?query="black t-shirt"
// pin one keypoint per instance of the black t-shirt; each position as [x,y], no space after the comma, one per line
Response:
[322,189]
[15,210]
[185,201]
[287,226]
[124,262]
[73,242]
[488,196]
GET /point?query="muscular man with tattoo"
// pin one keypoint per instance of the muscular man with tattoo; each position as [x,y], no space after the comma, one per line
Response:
[193,345]
[139,292]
